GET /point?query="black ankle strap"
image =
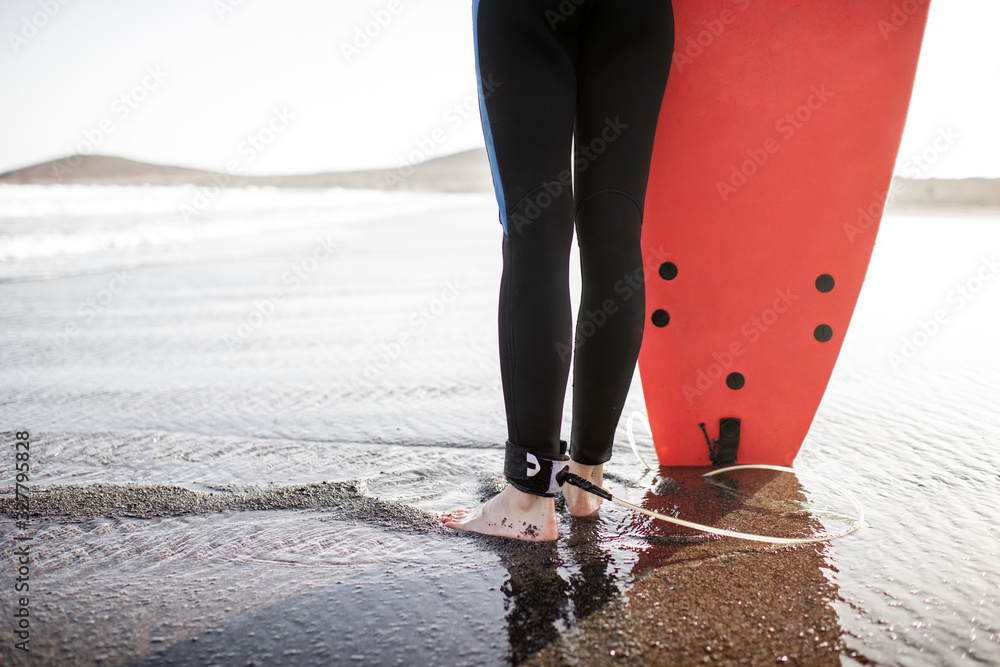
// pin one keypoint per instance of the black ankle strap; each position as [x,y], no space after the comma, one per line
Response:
[532,471]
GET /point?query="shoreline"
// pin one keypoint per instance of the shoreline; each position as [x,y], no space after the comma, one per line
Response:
[467,171]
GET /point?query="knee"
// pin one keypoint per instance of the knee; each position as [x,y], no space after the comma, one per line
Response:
[610,208]
[609,226]
[610,203]
[544,211]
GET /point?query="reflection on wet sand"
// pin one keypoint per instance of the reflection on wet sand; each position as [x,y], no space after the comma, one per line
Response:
[716,600]
[552,586]
[622,585]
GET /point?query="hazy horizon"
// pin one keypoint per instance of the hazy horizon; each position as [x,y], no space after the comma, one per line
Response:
[192,83]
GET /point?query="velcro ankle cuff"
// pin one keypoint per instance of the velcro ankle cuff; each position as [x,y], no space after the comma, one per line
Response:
[532,471]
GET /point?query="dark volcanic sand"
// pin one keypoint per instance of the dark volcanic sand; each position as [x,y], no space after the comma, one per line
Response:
[269,504]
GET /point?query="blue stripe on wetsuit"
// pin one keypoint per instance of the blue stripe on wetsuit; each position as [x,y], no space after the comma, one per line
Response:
[484,116]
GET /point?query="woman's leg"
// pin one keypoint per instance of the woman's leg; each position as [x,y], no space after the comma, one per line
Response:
[528,84]
[625,54]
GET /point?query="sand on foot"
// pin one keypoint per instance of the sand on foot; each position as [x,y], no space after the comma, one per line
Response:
[511,513]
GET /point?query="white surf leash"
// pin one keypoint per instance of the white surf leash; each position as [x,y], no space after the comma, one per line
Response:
[631,438]
[857,522]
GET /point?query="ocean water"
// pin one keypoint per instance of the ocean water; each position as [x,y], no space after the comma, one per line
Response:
[323,366]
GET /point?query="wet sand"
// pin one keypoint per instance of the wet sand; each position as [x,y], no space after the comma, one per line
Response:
[147,502]
[721,601]
[275,503]
[693,597]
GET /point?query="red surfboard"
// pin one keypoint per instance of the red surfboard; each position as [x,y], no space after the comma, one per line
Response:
[773,158]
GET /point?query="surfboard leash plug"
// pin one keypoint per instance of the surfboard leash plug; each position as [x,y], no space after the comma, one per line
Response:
[724,450]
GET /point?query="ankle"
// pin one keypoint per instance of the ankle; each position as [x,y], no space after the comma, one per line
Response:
[593,474]
[579,502]
[527,502]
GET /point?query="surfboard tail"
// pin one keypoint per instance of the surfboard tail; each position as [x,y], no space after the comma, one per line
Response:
[772,166]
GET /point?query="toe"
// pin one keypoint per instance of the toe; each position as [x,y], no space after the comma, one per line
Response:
[457,515]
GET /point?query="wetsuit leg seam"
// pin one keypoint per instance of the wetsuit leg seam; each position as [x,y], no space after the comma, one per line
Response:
[511,358]
[623,193]
[537,189]
[551,188]
[506,337]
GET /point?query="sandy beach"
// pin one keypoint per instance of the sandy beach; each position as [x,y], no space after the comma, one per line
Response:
[244,423]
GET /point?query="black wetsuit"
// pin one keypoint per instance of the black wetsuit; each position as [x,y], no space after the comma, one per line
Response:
[554,74]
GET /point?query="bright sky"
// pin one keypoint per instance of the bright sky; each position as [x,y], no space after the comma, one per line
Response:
[186,82]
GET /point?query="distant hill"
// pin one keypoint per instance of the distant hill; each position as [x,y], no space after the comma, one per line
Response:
[468,171]
[924,192]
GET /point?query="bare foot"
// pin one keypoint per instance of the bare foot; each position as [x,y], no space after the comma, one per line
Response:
[579,502]
[511,513]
